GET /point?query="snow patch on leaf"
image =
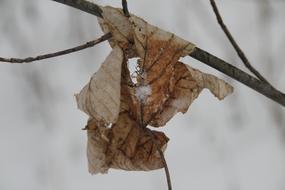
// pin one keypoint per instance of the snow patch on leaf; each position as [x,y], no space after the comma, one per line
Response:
[142,92]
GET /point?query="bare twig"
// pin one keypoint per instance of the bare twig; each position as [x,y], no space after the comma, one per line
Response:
[84,5]
[125,8]
[234,43]
[59,53]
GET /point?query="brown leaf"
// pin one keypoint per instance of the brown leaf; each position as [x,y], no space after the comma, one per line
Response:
[132,147]
[164,87]
[159,51]
[96,147]
[217,87]
[100,98]
[188,84]
[115,22]
[126,145]
[159,41]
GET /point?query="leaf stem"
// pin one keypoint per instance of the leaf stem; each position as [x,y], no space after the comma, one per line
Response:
[125,8]
[161,154]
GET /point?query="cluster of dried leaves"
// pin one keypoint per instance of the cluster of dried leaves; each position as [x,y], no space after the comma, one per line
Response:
[120,108]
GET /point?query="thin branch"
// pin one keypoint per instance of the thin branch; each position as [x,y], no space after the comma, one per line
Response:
[239,75]
[234,43]
[59,53]
[83,5]
[125,8]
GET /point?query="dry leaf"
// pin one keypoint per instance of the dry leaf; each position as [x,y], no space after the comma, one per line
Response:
[125,145]
[218,87]
[120,110]
[188,84]
[96,147]
[100,98]
[115,22]
[158,51]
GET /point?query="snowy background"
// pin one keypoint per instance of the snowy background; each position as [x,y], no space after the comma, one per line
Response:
[236,144]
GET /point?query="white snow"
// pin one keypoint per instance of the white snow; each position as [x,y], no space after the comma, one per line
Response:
[142,92]
[132,66]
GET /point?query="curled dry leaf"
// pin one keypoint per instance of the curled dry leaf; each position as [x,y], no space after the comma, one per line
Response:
[188,84]
[114,21]
[158,51]
[100,98]
[163,87]
[125,145]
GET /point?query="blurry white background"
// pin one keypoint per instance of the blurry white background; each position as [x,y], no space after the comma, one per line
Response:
[236,144]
